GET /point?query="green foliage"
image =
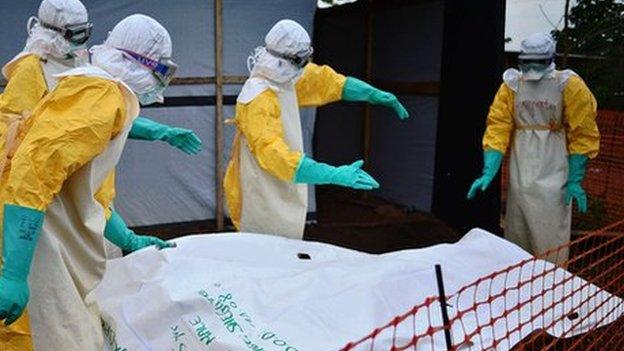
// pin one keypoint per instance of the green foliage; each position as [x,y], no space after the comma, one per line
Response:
[597,29]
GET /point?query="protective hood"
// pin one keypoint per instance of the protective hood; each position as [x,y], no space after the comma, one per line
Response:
[140,34]
[263,64]
[288,38]
[48,43]
[537,46]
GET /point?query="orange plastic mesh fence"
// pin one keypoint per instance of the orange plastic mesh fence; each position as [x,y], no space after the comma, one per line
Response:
[604,180]
[531,305]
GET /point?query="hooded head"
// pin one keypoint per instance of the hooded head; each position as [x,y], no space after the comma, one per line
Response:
[60,30]
[138,51]
[286,52]
[537,55]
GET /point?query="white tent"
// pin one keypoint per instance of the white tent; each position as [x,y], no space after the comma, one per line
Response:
[407,47]
[157,184]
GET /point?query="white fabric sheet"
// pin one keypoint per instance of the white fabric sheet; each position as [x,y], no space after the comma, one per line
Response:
[234,291]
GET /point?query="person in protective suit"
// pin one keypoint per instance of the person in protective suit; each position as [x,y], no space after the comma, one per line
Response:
[265,183]
[549,118]
[53,228]
[56,43]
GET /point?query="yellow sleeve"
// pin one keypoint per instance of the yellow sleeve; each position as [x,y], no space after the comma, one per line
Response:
[25,88]
[579,112]
[70,127]
[500,121]
[260,122]
[319,85]
[106,194]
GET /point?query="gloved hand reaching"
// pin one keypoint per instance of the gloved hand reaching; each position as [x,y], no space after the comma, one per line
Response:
[22,228]
[492,161]
[137,242]
[183,139]
[119,234]
[357,90]
[576,172]
[352,176]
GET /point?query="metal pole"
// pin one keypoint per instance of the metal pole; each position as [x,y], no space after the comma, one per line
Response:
[218,20]
[443,305]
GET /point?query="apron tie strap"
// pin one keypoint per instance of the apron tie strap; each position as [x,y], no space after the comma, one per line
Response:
[231,121]
[553,127]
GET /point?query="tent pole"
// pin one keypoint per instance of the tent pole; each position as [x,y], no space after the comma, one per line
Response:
[366,136]
[218,20]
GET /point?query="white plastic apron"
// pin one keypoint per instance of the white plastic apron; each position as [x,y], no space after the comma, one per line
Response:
[537,218]
[271,205]
[70,257]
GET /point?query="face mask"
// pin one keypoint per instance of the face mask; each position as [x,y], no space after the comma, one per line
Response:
[153,96]
[278,70]
[535,71]
[537,67]
[79,54]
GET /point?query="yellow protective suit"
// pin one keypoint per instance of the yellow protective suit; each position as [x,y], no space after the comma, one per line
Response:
[26,87]
[75,137]
[549,119]
[579,113]
[78,135]
[263,129]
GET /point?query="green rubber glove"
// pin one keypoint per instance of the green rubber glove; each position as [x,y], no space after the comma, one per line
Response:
[357,90]
[576,172]
[119,234]
[492,161]
[351,176]
[183,139]
[22,228]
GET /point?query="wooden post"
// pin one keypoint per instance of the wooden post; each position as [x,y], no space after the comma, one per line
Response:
[218,20]
[366,131]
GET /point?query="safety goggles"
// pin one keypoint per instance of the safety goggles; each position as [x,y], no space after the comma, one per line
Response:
[545,62]
[163,69]
[74,33]
[299,60]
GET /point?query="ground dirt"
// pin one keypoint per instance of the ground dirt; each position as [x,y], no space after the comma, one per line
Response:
[371,224]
